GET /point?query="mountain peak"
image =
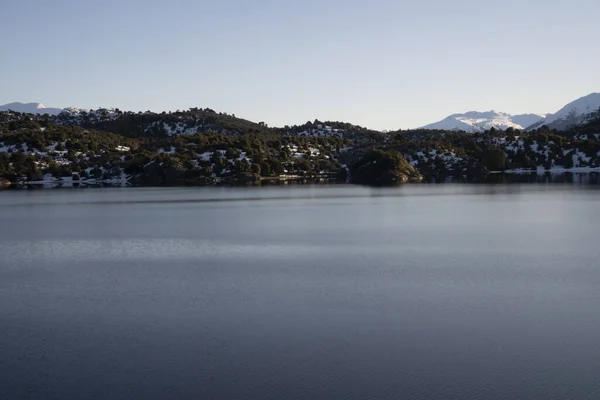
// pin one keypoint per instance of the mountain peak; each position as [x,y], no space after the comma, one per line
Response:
[575,113]
[480,121]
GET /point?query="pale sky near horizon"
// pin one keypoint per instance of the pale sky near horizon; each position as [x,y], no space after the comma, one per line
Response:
[383,64]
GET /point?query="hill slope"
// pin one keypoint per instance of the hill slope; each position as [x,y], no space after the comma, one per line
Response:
[573,114]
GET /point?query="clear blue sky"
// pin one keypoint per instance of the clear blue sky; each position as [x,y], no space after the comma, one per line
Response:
[385,64]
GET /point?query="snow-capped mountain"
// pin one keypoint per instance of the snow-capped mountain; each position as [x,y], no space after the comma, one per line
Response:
[474,121]
[526,120]
[575,113]
[30,108]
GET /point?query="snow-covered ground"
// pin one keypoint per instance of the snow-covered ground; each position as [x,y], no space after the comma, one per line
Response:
[320,131]
[450,160]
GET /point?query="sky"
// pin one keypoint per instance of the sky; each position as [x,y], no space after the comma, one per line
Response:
[384,64]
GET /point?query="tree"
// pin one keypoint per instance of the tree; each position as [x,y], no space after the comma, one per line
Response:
[276,166]
[568,160]
[255,169]
[494,159]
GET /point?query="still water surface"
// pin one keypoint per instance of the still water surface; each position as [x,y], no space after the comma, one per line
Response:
[342,292]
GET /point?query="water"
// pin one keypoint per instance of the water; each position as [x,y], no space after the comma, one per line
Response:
[419,292]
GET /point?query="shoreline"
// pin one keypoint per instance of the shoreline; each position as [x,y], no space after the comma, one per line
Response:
[494,177]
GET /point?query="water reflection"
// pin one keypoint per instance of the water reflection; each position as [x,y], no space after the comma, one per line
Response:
[581,178]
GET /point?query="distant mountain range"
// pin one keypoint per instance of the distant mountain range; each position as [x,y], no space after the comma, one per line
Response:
[573,114]
[475,121]
[30,108]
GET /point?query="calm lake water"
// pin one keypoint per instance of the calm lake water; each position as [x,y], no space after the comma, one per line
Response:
[341,292]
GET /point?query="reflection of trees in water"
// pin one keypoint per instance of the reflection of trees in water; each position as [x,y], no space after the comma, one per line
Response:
[588,178]
[582,178]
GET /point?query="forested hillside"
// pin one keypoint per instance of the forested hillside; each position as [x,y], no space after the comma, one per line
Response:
[200,146]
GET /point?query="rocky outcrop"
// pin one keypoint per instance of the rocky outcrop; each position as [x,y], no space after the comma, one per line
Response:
[384,168]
